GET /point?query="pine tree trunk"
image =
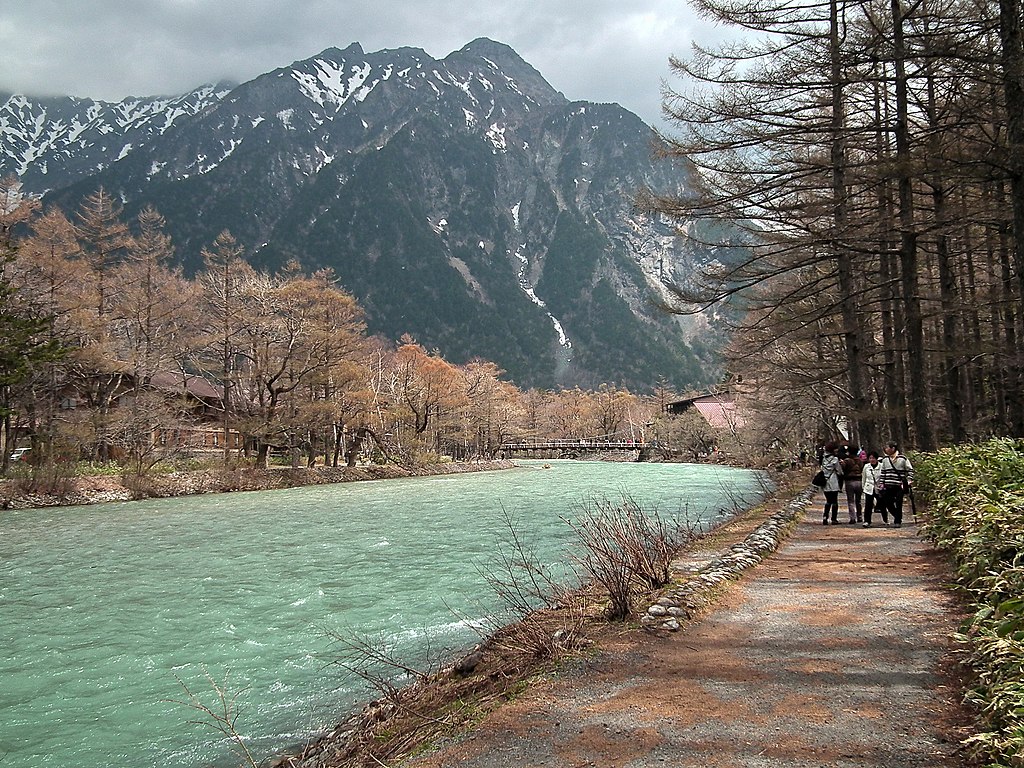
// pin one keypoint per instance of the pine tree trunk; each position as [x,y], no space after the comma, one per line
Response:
[973,379]
[861,423]
[918,399]
[1012,44]
[892,369]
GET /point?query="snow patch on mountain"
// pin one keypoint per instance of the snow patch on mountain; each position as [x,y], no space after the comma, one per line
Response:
[335,83]
[496,135]
[53,142]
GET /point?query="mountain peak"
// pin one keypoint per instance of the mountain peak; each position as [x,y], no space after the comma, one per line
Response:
[354,49]
[504,58]
[484,46]
[500,55]
[333,54]
[436,191]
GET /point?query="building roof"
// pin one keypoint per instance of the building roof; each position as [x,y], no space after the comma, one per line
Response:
[718,409]
[196,386]
[720,414]
[681,406]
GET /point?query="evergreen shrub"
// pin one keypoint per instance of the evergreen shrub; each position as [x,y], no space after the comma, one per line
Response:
[975,512]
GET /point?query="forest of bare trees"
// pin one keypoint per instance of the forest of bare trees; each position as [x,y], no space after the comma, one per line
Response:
[874,153]
[871,154]
[110,352]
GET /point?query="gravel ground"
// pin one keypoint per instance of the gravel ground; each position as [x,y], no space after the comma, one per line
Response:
[834,651]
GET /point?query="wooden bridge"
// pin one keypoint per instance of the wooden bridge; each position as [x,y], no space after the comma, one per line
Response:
[575,446]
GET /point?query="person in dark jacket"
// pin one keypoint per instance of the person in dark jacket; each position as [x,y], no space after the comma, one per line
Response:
[894,481]
[853,467]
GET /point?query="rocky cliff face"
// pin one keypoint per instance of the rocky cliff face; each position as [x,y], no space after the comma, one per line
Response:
[463,201]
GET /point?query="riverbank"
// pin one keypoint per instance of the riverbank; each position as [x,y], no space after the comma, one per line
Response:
[548,641]
[97,489]
[835,650]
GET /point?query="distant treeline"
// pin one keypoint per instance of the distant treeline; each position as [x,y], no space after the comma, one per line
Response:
[107,351]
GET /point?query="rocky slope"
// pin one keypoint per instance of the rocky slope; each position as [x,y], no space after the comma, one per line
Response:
[464,201]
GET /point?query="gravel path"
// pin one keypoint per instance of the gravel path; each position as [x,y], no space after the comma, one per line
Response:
[832,652]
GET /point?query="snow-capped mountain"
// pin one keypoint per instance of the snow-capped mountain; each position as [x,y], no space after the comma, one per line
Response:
[50,143]
[464,201]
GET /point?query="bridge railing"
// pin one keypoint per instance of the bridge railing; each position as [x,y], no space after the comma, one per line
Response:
[582,444]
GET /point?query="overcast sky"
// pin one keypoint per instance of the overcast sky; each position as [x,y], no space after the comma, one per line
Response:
[595,50]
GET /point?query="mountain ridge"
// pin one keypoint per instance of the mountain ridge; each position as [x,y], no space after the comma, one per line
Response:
[464,201]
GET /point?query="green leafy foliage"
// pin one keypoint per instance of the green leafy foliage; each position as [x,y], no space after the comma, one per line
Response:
[976,513]
[23,340]
[613,339]
[571,262]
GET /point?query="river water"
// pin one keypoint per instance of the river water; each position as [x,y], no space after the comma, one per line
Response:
[106,611]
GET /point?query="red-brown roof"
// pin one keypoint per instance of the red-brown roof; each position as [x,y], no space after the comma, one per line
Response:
[720,414]
[196,386]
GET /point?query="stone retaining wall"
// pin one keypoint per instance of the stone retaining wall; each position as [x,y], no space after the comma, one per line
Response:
[687,598]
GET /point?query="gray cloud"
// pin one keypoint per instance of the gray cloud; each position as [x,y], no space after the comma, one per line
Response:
[597,50]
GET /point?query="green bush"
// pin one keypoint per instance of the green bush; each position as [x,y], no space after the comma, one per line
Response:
[975,499]
[95,468]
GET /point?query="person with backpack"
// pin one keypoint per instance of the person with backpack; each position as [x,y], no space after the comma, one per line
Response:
[894,481]
[831,468]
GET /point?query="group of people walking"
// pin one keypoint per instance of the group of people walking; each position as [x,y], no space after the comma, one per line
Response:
[872,483]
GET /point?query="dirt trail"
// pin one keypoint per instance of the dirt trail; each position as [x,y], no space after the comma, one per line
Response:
[833,652]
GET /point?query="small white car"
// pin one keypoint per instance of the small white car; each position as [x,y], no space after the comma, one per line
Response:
[20,454]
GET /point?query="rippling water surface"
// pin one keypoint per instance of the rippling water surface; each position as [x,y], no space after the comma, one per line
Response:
[104,609]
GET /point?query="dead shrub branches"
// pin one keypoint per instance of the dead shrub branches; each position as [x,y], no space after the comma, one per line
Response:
[373,660]
[548,610]
[627,551]
[222,716]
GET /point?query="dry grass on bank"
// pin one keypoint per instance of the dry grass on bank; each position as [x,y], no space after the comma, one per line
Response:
[28,491]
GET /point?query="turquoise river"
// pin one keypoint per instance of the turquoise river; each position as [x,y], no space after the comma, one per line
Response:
[106,611]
